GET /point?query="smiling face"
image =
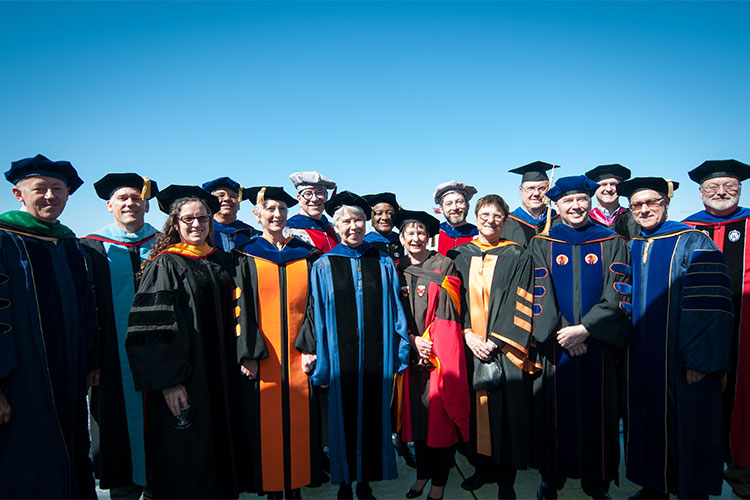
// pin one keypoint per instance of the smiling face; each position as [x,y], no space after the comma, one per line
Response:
[272,216]
[574,209]
[454,208]
[128,209]
[649,208]
[42,197]
[721,195]
[607,192]
[532,195]
[229,205]
[193,223]
[381,218]
[414,238]
[312,202]
[490,222]
[351,228]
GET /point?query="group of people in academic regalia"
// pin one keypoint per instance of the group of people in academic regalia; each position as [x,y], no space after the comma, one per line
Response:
[220,358]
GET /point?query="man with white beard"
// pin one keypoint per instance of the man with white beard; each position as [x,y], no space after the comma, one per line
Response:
[727,224]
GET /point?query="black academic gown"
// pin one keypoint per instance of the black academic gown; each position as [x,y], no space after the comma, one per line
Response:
[499,419]
[582,277]
[181,332]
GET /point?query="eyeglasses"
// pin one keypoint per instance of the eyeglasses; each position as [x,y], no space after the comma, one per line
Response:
[730,187]
[535,189]
[652,204]
[309,195]
[189,219]
[484,217]
[221,195]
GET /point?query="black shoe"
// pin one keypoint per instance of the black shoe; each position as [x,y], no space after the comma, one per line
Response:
[414,493]
[506,493]
[476,481]
[294,494]
[546,491]
[275,495]
[345,492]
[648,494]
[364,491]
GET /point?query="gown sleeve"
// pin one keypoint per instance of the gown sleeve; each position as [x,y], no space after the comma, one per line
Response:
[320,283]
[608,320]
[305,341]
[706,312]
[546,319]
[158,338]
[8,350]
[250,341]
[401,339]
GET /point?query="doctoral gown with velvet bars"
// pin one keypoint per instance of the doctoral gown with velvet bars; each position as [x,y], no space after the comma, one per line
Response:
[496,302]
[235,234]
[682,319]
[450,237]
[390,245]
[520,226]
[318,233]
[581,277]
[47,347]
[730,235]
[181,331]
[360,329]
[274,326]
[116,407]
[433,401]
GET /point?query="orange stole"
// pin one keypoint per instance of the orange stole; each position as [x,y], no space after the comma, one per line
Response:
[270,373]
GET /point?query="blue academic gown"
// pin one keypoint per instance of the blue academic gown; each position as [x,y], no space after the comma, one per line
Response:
[116,406]
[236,234]
[47,348]
[391,244]
[362,343]
[682,319]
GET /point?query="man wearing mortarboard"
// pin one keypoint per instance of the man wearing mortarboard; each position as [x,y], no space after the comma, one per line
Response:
[47,339]
[310,224]
[582,288]
[384,206]
[229,231]
[682,329]
[530,218]
[117,251]
[609,213]
[453,198]
[727,224]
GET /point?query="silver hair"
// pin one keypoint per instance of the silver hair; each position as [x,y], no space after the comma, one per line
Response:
[347,208]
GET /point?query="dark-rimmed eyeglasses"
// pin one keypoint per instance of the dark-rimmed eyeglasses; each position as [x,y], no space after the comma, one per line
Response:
[189,219]
[652,204]
[310,194]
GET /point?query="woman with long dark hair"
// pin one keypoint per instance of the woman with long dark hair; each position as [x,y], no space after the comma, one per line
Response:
[181,347]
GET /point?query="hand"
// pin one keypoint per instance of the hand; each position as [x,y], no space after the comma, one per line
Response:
[93,378]
[4,410]
[481,349]
[693,376]
[571,336]
[423,347]
[250,368]
[308,362]
[174,396]
[577,350]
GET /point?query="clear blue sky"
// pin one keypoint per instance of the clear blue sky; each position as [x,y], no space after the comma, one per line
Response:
[376,95]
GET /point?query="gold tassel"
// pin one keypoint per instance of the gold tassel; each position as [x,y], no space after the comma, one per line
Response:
[239,195]
[261,196]
[146,189]
[548,222]
[670,188]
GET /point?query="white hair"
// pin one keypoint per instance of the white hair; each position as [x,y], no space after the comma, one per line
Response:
[347,208]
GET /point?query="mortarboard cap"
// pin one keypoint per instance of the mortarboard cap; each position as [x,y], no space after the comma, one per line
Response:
[110,183]
[572,184]
[658,184]
[311,179]
[403,217]
[41,166]
[374,199]
[446,187]
[258,194]
[720,168]
[176,192]
[612,170]
[534,171]
[347,198]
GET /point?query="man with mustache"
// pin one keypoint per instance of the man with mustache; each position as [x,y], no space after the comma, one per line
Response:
[117,251]
[530,218]
[453,199]
[229,231]
[727,224]
[47,339]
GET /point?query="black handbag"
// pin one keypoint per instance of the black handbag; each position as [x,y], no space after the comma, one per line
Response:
[488,375]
